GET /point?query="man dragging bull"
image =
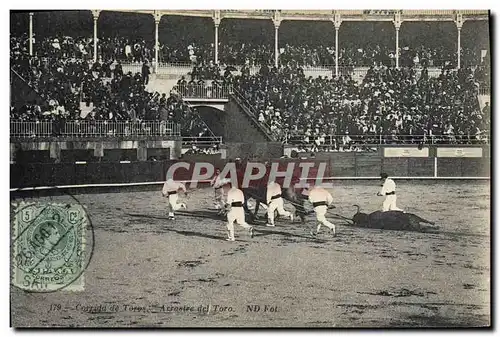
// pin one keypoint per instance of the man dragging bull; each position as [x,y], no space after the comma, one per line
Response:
[389,191]
[170,190]
[235,200]
[320,199]
[275,202]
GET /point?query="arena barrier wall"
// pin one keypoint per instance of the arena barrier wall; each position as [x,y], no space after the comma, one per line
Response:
[62,175]
[69,174]
[256,151]
[454,163]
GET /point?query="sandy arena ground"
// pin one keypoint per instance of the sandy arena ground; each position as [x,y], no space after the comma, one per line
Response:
[144,266]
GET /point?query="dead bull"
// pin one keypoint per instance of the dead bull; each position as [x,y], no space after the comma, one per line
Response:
[394,220]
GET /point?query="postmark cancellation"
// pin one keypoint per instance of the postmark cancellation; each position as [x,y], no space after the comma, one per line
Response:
[48,246]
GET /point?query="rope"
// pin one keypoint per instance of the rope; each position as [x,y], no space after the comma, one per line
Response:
[341,217]
[295,204]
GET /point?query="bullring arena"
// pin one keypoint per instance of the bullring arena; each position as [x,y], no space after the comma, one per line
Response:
[360,278]
[145,270]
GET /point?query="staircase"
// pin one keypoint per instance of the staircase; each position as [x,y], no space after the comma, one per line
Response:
[235,129]
[21,92]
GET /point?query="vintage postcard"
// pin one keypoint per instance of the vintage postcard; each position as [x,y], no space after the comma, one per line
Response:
[250,168]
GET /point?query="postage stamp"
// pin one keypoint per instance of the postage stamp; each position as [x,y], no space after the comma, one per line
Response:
[49,246]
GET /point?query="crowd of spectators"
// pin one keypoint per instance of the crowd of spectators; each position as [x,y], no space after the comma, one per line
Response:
[350,55]
[400,103]
[482,73]
[390,101]
[108,48]
[64,83]
[317,55]
[251,54]
[126,50]
[196,148]
[54,46]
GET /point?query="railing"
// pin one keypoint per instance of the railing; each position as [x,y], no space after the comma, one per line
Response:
[317,70]
[201,142]
[474,12]
[91,129]
[432,12]
[175,68]
[22,129]
[203,91]
[484,90]
[428,12]
[178,69]
[186,64]
[348,139]
[119,129]
[134,67]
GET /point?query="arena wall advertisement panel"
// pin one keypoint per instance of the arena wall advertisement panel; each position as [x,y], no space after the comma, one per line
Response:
[396,152]
[460,152]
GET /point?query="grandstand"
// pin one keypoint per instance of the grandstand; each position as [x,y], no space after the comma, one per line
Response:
[334,81]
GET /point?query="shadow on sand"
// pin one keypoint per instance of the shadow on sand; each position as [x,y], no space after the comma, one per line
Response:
[210,215]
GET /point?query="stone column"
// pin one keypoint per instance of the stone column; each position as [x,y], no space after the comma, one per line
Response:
[31,34]
[277,22]
[217,20]
[459,21]
[337,21]
[157,17]
[95,14]
[397,24]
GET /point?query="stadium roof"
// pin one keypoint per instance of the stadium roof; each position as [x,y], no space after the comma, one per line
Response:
[327,15]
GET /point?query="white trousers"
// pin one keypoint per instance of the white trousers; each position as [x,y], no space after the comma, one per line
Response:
[276,204]
[236,214]
[219,198]
[390,203]
[173,205]
[320,216]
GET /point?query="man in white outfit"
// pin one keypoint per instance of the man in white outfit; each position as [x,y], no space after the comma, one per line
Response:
[321,200]
[236,213]
[217,182]
[170,190]
[389,191]
[275,202]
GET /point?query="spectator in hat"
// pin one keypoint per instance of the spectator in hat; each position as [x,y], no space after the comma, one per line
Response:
[145,72]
